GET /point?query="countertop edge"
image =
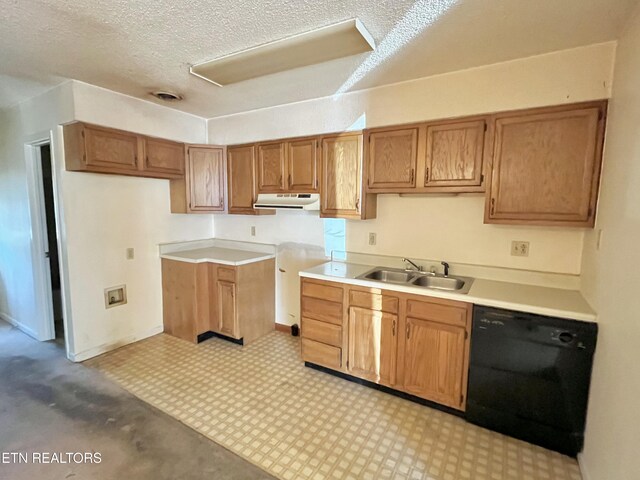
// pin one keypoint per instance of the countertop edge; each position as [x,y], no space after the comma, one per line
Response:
[551,312]
[260,258]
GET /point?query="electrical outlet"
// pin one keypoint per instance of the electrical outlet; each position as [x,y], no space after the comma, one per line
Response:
[253,231]
[372,238]
[520,249]
[130,253]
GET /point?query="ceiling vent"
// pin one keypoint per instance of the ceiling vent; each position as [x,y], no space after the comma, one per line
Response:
[320,45]
[167,96]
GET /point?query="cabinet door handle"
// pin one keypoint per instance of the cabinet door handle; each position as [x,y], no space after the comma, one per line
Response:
[408,331]
[290,181]
[358,204]
[413,172]
[280,180]
[393,328]
[493,205]
[426,175]
[146,160]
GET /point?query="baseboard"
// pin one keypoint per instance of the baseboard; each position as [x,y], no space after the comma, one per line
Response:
[281,327]
[583,467]
[18,325]
[107,347]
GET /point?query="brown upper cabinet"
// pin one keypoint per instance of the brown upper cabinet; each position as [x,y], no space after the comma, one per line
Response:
[341,192]
[241,180]
[429,157]
[163,156]
[546,166]
[302,165]
[91,148]
[393,159]
[201,190]
[288,166]
[454,154]
[271,167]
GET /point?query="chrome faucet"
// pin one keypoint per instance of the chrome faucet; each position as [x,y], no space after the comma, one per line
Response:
[446,268]
[412,264]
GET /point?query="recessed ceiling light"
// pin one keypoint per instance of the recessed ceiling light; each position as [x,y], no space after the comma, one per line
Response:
[167,96]
[320,45]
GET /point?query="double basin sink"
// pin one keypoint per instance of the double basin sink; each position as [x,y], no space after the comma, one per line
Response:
[412,278]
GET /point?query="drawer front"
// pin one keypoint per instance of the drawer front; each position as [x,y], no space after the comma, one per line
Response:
[321,354]
[227,274]
[322,332]
[322,310]
[373,301]
[322,291]
[436,312]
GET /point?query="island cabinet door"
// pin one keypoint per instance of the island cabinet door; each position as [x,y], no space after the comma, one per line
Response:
[373,345]
[226,303]
[434,359]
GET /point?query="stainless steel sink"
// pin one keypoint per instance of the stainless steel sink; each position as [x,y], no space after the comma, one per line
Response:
[418,279]
[389,275]
[439,282]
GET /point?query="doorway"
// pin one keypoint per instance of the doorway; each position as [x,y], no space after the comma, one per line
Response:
[51,240]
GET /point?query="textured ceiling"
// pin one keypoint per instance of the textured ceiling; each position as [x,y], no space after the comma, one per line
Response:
[134,46]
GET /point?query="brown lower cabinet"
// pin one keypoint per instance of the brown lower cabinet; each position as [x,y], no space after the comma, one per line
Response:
[238,302]
[412,343]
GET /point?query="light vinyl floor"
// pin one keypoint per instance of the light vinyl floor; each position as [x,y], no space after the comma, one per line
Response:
[260,402]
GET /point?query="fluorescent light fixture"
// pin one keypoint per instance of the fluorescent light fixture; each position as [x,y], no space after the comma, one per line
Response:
[320,45]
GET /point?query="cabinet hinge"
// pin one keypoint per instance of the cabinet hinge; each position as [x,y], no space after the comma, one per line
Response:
[466,334]
[481,179]
[485,126]
[600,115]
[461,399]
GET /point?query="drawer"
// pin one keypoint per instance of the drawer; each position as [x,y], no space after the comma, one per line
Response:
[227,274]
[321,354]
[438,312]
[322,332]
[321,310]
[322,291]
[373,301]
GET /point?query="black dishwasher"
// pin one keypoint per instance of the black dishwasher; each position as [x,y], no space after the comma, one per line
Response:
[529,376]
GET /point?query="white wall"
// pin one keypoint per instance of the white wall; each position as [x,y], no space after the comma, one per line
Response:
[103,215]
[106,214]
[447,227]
[611,279]
[26,122]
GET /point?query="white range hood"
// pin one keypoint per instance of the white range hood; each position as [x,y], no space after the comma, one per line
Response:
[288,201]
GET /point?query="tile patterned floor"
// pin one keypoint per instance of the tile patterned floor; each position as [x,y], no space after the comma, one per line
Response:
[296,423]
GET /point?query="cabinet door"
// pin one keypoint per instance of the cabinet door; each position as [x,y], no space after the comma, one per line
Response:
[163,157]
[434,359]
[546,167]
[205,179]
[240,165]
[179,308]
[302,164]
[113,149]
[227,318]
[373,345]
[454,155]
[341,176]
[271,167]
[392,159]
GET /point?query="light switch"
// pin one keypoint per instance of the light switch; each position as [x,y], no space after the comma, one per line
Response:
[372,238]
[520,249]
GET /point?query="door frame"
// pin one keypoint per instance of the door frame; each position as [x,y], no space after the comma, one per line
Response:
[39,243]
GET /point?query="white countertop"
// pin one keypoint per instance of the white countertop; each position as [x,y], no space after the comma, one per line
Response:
[224,256]
[555,302]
